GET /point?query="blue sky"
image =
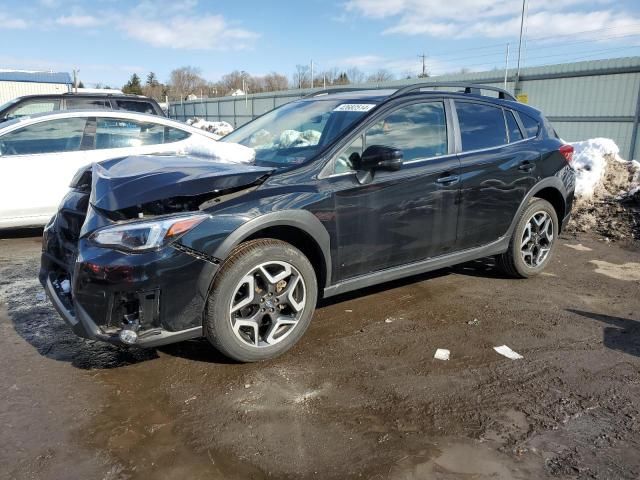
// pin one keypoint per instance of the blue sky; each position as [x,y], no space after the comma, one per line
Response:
[110,39]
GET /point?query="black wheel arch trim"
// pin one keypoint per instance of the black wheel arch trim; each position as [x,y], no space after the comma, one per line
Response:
[549,182]
[303,220]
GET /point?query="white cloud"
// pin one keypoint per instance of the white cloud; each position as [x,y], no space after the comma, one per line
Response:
[79,21]
[209,32]
[11,22]
[496,18]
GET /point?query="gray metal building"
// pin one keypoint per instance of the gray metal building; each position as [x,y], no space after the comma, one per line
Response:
[599,98]
[16,83]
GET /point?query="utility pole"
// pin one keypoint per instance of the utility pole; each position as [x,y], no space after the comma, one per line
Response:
[506,67]
[424,64]
[517,82]
[75,79]
[311,73]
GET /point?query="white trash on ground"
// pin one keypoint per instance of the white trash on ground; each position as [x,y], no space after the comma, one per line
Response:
[507,352]
[442,354]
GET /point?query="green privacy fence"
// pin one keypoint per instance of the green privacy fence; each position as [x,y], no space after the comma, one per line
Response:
[599,98]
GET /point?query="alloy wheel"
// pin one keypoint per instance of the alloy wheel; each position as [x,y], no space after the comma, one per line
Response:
[267,304]
[537,239]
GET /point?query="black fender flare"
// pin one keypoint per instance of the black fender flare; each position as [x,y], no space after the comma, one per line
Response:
[553,182]
[303,220]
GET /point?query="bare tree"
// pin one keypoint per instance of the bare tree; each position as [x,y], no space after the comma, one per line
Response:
[185,81]
[275,81]
[355,75]
[301,77]
[381,75]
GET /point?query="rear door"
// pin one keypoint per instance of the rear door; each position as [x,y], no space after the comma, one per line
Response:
[497,170]
[404,216]
[37,163]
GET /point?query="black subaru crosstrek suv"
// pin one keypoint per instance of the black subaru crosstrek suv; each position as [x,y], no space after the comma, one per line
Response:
[347,189]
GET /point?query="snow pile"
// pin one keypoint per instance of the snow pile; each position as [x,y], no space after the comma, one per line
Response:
[607,191]
[589,161]
[224,152]
[217,128]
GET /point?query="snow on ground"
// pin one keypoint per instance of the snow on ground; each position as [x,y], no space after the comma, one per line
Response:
[217,128]
[590,159]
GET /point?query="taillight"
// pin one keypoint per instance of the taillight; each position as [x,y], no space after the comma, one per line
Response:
[567,153]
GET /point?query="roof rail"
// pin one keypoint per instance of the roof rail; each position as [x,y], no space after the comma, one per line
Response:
[327,91]
[471,88]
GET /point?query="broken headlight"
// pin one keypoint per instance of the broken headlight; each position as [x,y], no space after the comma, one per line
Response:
[146,235]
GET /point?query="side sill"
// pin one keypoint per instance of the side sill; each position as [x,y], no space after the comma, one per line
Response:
[499,246]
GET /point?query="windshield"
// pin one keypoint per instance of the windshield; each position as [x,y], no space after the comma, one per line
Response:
[297,131]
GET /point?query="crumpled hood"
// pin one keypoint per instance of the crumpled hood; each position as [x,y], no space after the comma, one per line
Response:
[126,182]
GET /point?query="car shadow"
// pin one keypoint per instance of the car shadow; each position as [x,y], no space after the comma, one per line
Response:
[24,232]
[622,334]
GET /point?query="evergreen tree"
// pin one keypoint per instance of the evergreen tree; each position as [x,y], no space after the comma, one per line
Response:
[152,80]
[133,85]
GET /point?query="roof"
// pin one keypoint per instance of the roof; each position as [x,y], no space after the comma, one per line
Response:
[126,114]
[35,77]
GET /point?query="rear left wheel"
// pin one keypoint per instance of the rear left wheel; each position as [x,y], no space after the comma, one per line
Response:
[262,301]
[533,241]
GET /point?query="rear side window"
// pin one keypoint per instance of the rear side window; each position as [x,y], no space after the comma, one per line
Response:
[515,134]
[31,107]
[531,125]
[124,133]
[133,106]
[481,126]
[88,103]
[53,136]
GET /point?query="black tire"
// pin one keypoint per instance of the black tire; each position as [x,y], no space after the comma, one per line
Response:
[511,262]
[247,256]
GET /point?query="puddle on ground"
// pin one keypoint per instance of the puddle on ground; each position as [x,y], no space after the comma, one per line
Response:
[629,272]
[471,459]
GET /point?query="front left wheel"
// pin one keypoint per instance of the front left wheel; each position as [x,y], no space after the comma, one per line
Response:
[262,301]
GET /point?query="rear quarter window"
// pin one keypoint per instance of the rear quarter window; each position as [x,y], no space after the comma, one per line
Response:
[481,126]
[531,125]
[136,106]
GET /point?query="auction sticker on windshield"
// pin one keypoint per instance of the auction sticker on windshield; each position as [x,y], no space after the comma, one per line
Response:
[354,107]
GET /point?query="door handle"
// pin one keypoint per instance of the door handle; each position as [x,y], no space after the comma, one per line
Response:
[447,179]
[527,166]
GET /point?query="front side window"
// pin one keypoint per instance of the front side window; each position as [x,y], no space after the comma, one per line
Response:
[419,130]
[133,106]
[481,126]
[53,136]
[124,133]
[297,131]
[32,107]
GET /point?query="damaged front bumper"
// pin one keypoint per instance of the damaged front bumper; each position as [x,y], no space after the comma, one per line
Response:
[101,293]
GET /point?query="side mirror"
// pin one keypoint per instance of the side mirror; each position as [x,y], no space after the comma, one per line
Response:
[381,157]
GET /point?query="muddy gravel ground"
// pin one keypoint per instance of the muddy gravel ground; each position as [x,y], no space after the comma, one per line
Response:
[361,396]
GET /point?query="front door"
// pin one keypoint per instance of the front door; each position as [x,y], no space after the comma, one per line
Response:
[404,216]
